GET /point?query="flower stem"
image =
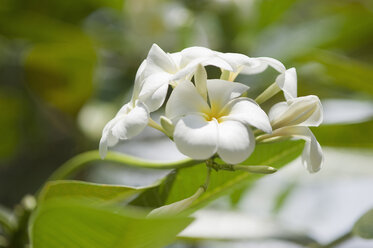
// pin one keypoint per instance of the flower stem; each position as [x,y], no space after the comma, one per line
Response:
[272,90]
[82,160]
[155,125]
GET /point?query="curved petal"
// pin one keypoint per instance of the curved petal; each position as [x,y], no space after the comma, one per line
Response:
[184,100]
[190,67]
[236,142]
[154,90]
[300,111]
[202,55]
[125,125]
[139,80]
[315,118]
[176,57]
[196,137]
[247,112]
[312,156]
[220,92]
[107,139]
[155,100]
[132,123]
[287,82]
[159,61]
[242,63]
[153,83]
[274,63]
[277,111]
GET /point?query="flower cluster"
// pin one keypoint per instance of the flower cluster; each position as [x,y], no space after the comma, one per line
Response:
[207,117]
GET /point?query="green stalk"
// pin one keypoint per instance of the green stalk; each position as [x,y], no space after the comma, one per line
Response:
[82,160]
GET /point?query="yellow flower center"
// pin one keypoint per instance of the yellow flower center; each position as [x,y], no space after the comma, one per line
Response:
[217,114]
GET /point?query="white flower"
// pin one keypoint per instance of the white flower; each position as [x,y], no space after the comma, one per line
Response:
[221,127]
[130,120]
[292,119]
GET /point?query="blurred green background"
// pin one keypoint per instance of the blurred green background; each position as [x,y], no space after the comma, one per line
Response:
[67,66]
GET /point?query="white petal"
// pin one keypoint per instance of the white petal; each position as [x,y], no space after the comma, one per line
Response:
[139,80]
[154,90]
[107,139]
[204,56]
[131,124]
[287,82]
[277,111]
[312,156]
[242,63]
[184,100]
[154,101]
[159,61]
[248,112]
[300,111]
[316,117]
[236,142]
[274,63]
[176,58]
[221,92]
[192,53]
[153,83]
[196,137]
[190,68]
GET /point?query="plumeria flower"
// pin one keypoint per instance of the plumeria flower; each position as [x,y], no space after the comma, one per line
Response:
[215,120]
[130,120]
[150,90]
[292,119]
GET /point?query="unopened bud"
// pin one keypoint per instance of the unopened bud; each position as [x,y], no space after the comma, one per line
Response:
[167,126]
[258,169]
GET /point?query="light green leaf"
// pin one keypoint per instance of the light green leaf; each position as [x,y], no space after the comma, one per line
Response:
[364,226]
[344,72]
[92,192]
[62,223]
[223,182]
[350,135]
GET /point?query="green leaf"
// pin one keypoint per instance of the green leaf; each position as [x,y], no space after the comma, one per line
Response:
[351,135]
[94,193]
[62,223]
[364,226]
[223,182]
[344,72]
[157,196]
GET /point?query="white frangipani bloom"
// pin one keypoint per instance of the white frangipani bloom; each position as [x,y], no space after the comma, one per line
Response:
[210,117]
[292,119]
[221,127]
[130,120]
